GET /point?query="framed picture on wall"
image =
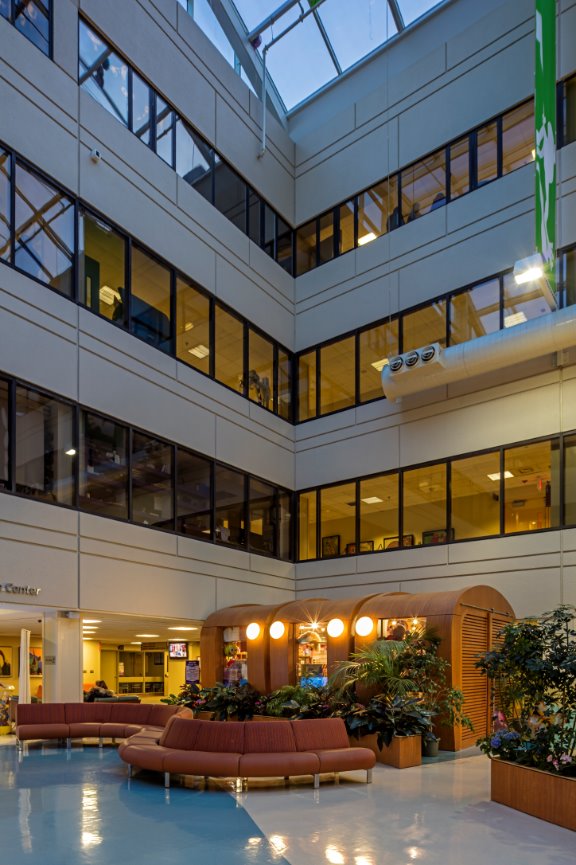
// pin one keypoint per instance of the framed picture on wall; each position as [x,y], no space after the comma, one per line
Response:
[330,546]
[35,661]
[437,536]
[5,661]
[394,543]
[351,549]
[366,547]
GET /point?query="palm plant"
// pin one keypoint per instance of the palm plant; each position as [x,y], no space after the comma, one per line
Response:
[379,665]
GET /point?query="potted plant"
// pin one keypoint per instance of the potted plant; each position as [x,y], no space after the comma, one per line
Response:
[533,742]
[232,702]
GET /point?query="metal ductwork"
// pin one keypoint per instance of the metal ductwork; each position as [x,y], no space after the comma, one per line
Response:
[552,332]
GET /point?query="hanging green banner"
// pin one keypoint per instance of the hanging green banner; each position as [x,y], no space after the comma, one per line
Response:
[545,129]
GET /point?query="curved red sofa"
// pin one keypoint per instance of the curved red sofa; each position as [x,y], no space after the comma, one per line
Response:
[242,750]
[95,720]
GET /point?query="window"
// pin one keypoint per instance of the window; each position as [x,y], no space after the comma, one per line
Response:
[307,365]
[229,350]
[230,194]
[260,370]
[4,435]
[284,385]
[518,137]
[254,217]
[103,466]
[262,517]
[192,326]
[165,140]
[193,500]
[475,496]
[346,217]
[376,345]
[424,506]
[102,267]
[45,447]
[152,481]
[378,211]
[194,160]
[531,487]
[459,168]
[103,73]
[5,204]
[142,97]
[44,231]
[379,512]
[229,503]
[567,263]
[326,237]
[570,480]
[522,302]
[306,248]
[337,375]
[337,520]
[307,526]
[569,111]
[475,312]
[284,506]
[150,301]
[424,326]
[284,245]
[32,18]
[424,186]
[487,154]
[269,227]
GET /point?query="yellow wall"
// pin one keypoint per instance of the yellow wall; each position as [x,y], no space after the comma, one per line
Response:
[13,643]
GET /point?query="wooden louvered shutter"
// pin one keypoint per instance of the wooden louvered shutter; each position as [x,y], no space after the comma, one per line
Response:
[474,685]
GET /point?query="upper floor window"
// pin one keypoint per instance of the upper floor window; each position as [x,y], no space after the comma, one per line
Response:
[33,18]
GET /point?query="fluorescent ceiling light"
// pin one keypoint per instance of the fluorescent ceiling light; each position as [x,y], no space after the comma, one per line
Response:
[109,295]
[135,642]
[91,621]
[514,318]
[199,351]
[380,364]
[188,325]
[147,635]
[529,269]
[372,500]
[496,475]
[71,452]
[366,238]
[182,628]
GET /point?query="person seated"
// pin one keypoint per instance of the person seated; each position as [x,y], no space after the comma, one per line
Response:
[100,689]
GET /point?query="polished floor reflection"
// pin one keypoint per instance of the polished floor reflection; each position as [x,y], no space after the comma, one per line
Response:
[61,807]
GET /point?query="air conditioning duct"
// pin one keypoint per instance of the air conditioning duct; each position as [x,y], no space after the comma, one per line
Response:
[415,358]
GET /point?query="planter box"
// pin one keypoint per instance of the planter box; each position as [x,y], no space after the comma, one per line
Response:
[541,794]
[402,753]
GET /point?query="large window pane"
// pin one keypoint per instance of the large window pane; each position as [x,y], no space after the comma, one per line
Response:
[150,301]
[424,326]
[284,550]
[486,154]
[570,110]
[378,210]
[570,480]
[4,436]
[103,466]
[475,312]
[424,186]
[307,526]
[568,276]
[459,168]
[44,218]
[165,120]
[307,365]
[32,19]
[532,487]
[141,108]
[475,496]
[255,205]
[379,513]
[284,245]
[326,237]
[194,159]
[5,204]
[518,137]
[152,481]
[346,239]
[260,370]
[262,517]
[229,503]
[102,267]
[337,375]
[376,345]
[424,506]
[230,194]
[284,384]
[193,508]
[522,302]
[337,520]
[269,229]
[192,326]
[103,74]
[306,247]
[229,349]
[45,447]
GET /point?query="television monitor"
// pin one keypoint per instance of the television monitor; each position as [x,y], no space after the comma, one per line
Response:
[178,649]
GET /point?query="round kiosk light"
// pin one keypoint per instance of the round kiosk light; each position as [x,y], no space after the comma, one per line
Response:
[364,626]
[277,630]
[335,628]
[253,631]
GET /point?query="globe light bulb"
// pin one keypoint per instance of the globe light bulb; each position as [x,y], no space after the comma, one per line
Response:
[364,626]
[253,631]
[277,630]
[335,627]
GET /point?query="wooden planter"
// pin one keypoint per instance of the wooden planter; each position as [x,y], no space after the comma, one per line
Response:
[402,753]
[541,794]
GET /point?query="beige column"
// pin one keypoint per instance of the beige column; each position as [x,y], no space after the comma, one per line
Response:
[62,658]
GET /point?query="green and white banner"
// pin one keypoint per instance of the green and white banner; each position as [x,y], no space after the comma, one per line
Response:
[545,128]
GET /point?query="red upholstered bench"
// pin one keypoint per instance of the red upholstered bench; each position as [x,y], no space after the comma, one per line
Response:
[245,750]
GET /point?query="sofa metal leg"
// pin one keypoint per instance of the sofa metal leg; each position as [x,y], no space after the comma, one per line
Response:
[68,742]
[166,779]
[316,782]
[368,776]
[129,770]
[100,742]
[19,745]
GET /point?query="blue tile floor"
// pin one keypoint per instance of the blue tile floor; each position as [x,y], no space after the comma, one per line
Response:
[60,807]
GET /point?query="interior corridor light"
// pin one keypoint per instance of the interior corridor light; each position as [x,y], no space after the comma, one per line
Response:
[253,631]
[277,630]
[364,626]
[529,269]
[335,628]
[366,238]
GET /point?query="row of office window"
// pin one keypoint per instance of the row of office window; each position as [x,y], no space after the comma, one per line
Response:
[54,238]
[115,85]
[54,451]
[345,372]
[32,18]
[517,488]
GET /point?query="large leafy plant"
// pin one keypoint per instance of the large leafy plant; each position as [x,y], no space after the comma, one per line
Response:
[386,716]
